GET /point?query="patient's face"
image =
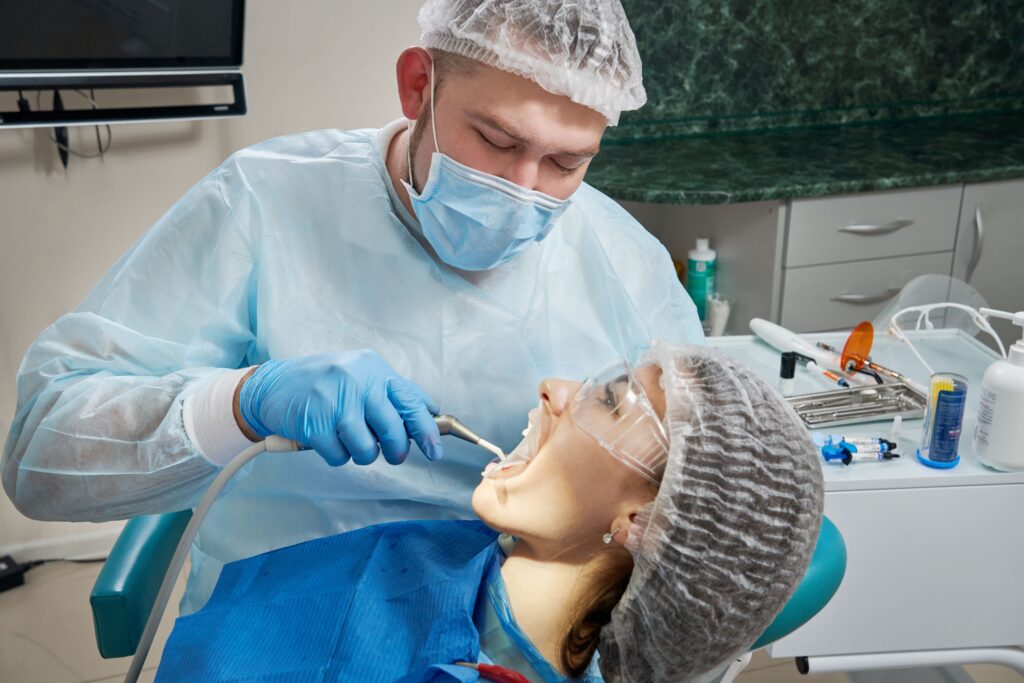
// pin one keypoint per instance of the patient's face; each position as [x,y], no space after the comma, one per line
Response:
[572,490]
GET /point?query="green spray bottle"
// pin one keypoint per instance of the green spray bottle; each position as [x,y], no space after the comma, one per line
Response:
[700,275]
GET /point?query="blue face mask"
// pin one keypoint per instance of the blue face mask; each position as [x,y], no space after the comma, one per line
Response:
[474,220]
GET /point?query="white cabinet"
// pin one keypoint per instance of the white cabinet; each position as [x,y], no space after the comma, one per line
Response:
[748,237]
[990,252]
[826,263]
[846,257]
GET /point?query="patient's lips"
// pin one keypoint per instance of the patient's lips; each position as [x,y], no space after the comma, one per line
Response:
[522,453]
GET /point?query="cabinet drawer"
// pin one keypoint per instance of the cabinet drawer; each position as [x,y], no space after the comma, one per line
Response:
[809,294]
[866,226]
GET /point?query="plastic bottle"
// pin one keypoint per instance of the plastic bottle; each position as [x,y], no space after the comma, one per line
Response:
[999,434]
[700,275]
[787,371]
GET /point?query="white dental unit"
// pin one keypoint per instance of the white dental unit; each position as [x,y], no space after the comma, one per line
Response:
[936,557]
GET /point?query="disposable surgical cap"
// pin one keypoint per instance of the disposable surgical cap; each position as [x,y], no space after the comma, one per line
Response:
[730,533]
[583,49]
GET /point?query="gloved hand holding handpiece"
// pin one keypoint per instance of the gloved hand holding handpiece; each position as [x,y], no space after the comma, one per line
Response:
[341,405]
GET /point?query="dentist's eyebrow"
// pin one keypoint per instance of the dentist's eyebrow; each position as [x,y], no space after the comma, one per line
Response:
[522,138]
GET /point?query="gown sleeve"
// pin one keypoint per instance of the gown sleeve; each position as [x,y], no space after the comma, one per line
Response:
[98,432]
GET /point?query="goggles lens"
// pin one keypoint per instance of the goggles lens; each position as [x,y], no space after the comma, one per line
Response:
[613,408]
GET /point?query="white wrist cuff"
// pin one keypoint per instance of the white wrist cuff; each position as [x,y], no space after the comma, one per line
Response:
[210,420]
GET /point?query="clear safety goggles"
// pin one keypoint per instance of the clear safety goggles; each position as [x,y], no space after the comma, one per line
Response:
[612,407]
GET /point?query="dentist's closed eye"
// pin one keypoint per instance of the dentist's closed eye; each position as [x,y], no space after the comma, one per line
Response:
[495,145]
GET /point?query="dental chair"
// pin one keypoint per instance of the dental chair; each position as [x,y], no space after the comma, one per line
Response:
[126,587]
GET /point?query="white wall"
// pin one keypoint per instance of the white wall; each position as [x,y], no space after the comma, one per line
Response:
[309,64]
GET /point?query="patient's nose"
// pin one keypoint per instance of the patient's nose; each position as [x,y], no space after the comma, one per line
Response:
[555,394]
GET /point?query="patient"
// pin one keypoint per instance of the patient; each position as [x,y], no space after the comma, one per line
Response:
[654,521]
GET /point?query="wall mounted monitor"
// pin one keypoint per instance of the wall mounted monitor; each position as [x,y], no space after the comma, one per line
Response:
[100,35]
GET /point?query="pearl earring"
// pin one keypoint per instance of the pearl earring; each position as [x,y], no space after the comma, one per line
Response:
[607,538]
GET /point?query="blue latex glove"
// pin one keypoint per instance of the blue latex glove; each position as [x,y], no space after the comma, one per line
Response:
[341,405]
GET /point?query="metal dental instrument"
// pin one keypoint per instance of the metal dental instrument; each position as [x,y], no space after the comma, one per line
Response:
[898,376]
[860,404]
[447,424]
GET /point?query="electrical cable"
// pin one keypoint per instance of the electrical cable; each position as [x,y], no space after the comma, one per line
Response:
[110,137]
[101,149]
[26,566]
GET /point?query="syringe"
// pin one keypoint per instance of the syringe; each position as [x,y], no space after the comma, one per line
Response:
[846,449]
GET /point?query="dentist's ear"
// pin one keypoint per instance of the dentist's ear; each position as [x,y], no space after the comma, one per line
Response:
[412,72]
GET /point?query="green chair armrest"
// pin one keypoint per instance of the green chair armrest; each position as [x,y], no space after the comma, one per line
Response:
[126,587]
[820,582]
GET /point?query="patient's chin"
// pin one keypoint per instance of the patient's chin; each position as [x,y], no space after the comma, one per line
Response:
[488,503]
[484,500]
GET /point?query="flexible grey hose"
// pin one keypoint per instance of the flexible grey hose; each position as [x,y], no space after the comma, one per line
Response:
[272,444]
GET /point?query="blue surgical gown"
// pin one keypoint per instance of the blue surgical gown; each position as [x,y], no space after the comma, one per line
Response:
[296,246]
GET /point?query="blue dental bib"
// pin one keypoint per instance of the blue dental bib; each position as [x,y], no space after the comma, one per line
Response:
[391,602]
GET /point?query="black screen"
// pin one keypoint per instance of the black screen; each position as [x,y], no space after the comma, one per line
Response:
[120,34]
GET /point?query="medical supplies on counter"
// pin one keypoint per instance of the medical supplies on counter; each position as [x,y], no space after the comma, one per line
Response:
[847,449]
[943,421]
[999,435]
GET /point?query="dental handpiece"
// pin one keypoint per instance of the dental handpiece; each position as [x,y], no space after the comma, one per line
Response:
[447,424]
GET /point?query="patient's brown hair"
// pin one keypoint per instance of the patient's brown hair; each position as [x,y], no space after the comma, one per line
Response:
[609,571]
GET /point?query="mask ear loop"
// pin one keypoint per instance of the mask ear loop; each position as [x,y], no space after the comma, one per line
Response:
[433,118]
[408,151]
[433,127]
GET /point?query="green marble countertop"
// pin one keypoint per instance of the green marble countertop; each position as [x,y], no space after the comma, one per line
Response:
[720,168]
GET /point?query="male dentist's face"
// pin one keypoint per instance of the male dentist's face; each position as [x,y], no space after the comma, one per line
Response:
[498,123]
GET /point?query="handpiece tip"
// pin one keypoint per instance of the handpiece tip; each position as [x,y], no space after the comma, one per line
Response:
[487,445]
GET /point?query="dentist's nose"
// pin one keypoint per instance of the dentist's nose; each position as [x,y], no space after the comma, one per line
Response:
[524,173]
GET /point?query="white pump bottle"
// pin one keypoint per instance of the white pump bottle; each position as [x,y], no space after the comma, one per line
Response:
[999,435]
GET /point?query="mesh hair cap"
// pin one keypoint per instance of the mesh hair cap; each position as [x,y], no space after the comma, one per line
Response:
[727,539]
[583,49]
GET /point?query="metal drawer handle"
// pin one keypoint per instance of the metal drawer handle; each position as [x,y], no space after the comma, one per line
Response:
[882,229]
[979,243]
[865,299]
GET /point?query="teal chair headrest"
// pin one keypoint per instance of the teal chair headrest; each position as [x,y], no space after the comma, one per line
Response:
[820,583]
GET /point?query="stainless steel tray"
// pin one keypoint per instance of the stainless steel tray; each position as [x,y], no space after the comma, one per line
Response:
[859,404]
